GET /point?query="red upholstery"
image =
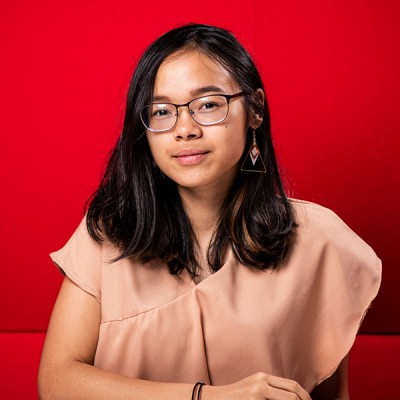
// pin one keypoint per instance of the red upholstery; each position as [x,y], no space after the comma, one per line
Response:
[20,355]
[374,368]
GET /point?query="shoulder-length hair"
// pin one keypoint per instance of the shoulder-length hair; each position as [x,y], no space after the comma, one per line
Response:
[140,211]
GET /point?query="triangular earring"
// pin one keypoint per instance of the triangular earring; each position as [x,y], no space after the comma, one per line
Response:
[253,161]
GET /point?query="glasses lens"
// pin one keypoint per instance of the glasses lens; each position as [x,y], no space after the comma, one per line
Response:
[159,117]
[209,110]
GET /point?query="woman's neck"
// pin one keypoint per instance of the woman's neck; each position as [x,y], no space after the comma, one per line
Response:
[203,205]
[202,209]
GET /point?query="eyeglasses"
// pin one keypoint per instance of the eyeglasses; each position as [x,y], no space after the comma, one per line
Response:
[205,110]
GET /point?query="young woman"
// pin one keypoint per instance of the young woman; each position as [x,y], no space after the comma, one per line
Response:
[191,264]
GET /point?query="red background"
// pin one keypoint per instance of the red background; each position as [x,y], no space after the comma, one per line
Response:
[331,70]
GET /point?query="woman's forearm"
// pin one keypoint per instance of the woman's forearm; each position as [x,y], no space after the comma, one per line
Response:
[77,380]
[85,382]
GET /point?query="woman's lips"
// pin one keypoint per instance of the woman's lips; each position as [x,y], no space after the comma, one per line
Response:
[190,157]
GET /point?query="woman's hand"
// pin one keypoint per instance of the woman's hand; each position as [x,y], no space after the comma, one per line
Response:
[259,386]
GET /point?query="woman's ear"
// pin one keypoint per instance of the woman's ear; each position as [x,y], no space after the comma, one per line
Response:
[256,119]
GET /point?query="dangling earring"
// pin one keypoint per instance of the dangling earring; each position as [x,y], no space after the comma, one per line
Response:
[253,161]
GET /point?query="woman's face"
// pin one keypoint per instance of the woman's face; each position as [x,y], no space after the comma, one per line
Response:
[192,155]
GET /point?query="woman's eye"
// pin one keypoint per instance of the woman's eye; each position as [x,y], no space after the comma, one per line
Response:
[160,113]
[209,106]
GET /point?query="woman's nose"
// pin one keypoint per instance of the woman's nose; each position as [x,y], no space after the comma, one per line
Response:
[186,127]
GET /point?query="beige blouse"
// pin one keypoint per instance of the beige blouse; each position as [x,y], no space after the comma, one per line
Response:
[298,321]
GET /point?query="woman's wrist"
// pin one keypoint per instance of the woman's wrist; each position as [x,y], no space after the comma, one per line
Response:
[210,392]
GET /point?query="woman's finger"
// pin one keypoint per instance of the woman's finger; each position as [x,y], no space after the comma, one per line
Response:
[289,386]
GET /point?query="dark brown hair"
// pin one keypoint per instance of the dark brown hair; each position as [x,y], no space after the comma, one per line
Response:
[139,209]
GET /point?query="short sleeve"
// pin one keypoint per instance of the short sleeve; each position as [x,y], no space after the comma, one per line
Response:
[343,277]
[81,260]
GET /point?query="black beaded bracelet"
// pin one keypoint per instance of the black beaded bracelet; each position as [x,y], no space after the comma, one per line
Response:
[197,389]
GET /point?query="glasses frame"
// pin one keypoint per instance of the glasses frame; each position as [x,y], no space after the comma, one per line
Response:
[228,98]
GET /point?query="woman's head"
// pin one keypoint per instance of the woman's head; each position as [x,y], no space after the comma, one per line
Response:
[219,46]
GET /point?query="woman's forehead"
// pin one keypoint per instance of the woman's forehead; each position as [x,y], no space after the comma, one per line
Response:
[191,72]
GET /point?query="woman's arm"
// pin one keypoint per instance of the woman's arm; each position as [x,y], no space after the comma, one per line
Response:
[336,386]
[67,371]
[66,368]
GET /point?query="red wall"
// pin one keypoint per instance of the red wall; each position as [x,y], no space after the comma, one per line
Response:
[331,69]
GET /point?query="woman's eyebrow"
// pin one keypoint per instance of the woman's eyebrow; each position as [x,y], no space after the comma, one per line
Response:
[195,92]
[206,89]
[161,98]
